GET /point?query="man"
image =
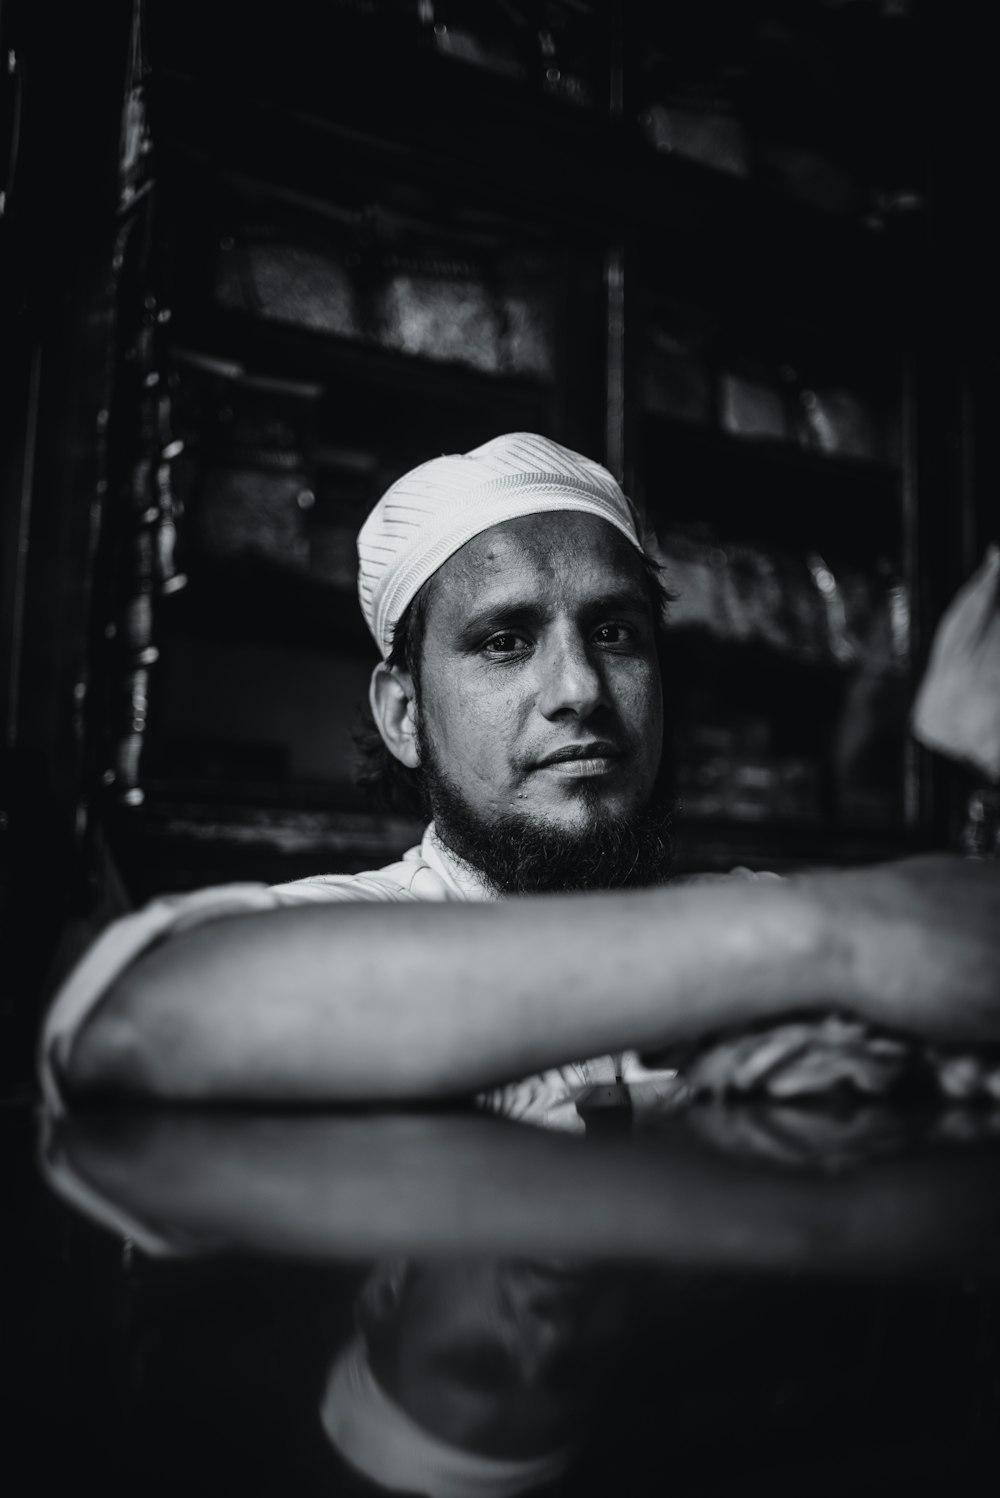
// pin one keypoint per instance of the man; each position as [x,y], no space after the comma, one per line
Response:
[517,617]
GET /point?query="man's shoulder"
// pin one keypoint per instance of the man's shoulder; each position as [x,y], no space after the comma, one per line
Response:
[410,878]
[390,883]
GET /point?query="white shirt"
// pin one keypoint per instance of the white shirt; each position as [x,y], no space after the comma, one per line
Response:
[429,872]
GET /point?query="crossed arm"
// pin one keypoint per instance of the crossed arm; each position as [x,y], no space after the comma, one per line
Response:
[382,1003]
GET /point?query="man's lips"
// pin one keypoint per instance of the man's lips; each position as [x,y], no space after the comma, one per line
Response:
[594,753]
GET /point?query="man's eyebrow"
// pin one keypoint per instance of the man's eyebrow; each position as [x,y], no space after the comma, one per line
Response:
[506,613]
[501,612]
[629,596]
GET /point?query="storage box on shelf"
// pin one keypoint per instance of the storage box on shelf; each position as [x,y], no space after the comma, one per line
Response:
[769,465]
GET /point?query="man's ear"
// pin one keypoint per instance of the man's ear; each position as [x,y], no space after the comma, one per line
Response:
[394,708]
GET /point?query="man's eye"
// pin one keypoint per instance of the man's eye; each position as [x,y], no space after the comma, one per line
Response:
[505,643]
[614,634]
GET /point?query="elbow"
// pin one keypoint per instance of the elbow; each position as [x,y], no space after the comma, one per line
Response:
[106,1056]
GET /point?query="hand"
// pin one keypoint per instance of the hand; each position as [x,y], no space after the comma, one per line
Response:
[921,939]
[828,1140]
[832,1059]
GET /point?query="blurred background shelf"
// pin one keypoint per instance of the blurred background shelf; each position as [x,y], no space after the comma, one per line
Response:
[188,836]
[253,602]
[772,458]
[759,487]
[621,261]
[241,346]
[739,251]
[226,95]
[719,845]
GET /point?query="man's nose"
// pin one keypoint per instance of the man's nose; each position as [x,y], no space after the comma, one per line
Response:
[571,679]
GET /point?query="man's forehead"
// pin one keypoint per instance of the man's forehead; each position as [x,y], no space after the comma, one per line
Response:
[541,549]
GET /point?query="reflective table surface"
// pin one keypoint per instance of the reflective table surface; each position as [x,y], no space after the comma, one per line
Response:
[731,1299]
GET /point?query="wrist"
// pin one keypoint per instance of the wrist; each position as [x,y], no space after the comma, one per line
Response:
[814,950]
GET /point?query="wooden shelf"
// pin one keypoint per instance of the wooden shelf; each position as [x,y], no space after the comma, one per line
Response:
[260,603]
[694,650]
[189,836]
[717,844]
[241,345]
[773,454]
[760,489]
[358,107]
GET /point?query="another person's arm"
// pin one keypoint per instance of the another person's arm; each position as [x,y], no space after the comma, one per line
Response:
[380,1002]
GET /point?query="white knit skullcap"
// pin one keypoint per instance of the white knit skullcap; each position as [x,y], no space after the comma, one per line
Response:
[432,511]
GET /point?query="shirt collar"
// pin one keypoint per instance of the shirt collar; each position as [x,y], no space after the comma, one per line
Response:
[463,881]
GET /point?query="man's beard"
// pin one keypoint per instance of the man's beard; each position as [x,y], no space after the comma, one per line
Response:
[524,855]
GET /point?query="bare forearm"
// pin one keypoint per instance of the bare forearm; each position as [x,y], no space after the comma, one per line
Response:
[382,1002]
[376,1002]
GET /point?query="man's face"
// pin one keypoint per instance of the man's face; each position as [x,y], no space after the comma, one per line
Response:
[499,1357]
[539,693]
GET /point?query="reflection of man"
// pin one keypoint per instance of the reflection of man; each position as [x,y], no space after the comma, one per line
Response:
[472,1378]
[517,616]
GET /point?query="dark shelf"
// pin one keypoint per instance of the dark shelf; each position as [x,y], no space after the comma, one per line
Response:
[260,603]
[771,453]
[758,489]
[717,845]
[189,836]
[359,108]
[693,650]
[243,345]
